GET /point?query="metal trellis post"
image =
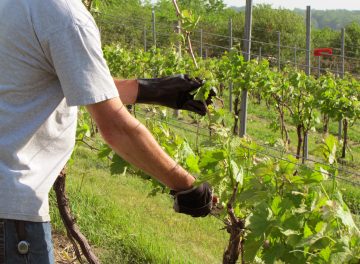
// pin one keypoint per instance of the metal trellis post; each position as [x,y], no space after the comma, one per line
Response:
[260,53]
[230,47]
[145,39]
[279,49]
[178,31]
[307,70]
[342,74]
[154,28]
[247,50]
[201,43]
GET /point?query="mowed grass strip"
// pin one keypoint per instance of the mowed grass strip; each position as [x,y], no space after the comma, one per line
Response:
[126,225]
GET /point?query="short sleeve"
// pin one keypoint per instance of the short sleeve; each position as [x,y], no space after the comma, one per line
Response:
[76,55]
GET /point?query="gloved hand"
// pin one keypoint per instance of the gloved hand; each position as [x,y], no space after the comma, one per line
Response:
[197,201]
[172,91]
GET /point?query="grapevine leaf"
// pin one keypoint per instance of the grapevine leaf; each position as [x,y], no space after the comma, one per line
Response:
[260,220]
[192,163]
[118,165]
[325,254]
[237,173]
[307,231]
[275,206]
[104,151]
[274,252]
[212,158]
[345,217]
[253,197]
[259,223]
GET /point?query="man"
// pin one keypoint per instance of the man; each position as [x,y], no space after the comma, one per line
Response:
[50,62]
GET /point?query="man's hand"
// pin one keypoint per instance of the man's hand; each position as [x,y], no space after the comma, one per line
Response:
[172,91]
[196,202]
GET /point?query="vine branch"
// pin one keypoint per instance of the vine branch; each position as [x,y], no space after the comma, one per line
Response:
[190,48]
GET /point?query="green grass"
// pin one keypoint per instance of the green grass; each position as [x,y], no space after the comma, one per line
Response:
[127,226]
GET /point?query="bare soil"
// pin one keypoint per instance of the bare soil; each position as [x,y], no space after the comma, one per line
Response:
[63,249]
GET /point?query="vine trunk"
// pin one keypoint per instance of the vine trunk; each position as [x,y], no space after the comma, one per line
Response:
[73,231]
[300,141]
[345,129]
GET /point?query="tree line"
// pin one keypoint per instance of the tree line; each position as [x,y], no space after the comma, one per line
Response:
[125,22]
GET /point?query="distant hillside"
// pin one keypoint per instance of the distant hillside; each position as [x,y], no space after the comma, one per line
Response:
[335,19]
[242,8]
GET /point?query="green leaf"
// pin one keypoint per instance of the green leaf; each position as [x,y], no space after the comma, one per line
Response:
[275,206]
[211,158]
[104,151]
[273,253]
[253,197]
[118,165]
[253,246]
[345,216]
[192,162]
[307,231]
[325,254]
[320,226]
[237,173]
[289,232]
[260,220]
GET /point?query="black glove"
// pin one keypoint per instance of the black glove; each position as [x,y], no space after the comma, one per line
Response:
[172,91]
[196,202]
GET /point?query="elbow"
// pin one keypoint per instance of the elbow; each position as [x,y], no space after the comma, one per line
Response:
[114,132]
[108,136]
[110,132]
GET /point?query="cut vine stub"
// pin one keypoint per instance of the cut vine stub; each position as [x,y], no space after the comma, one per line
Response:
[236,243]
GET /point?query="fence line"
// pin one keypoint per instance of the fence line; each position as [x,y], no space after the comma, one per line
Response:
[274,58]
[196,127]
[171,28]
[266,154]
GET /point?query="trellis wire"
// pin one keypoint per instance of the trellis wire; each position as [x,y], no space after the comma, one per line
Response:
[266,154]
[169,29]
[195,127]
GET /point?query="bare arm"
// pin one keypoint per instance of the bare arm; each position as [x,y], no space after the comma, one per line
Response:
[128,90]
[133,142]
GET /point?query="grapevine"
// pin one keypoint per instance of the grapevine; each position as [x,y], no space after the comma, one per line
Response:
[277,209]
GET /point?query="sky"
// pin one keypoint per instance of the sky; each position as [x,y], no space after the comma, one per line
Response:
[291,4]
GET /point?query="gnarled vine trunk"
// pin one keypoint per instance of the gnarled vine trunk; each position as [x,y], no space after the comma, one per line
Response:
[73,231]
[304,146]
[236,243]
[236,229]
[300,141]
[284,131]
[326,123]
[345,129]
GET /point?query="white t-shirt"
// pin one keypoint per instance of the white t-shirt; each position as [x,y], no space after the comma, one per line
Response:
[50,62]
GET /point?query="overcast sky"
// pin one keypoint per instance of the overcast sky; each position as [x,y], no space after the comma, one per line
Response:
[315,4]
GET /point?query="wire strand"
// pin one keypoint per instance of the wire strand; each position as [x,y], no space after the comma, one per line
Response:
[263,152]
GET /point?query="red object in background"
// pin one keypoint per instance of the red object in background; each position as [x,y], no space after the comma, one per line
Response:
[323,52]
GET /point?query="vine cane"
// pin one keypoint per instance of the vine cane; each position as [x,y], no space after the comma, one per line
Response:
[73,231]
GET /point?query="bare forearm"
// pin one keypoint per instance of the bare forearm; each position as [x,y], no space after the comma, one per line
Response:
[128,90]
[140,149]
[133,142]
